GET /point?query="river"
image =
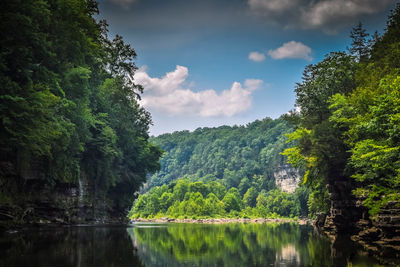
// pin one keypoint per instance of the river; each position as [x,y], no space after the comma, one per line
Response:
[174,244]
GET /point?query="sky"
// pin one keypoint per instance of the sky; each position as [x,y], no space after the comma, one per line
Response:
[207,63]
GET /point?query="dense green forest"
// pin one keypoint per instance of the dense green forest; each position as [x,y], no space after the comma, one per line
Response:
[69,108]
[185,199]
[227,172]
[238,156]
[349,123]
[68,101]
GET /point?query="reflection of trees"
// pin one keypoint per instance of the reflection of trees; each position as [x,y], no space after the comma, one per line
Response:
[75,246]
[239,244]
[231,244]
[177,245]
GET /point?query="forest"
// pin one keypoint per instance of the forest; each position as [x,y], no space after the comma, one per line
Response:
[221,172]
[348,126]
[184,199]
[68,103]
[237,156]
[69,108]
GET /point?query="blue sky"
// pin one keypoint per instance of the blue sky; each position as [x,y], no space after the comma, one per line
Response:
[206,63]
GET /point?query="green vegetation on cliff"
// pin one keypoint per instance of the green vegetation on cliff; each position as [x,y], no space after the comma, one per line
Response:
[348,126]
[237,156]
[221,172]
[68,102]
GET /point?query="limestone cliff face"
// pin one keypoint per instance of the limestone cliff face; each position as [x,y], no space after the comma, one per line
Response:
[287,178]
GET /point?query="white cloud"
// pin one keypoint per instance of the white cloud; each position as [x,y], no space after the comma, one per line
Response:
[169,95]
[256,56]
[328,15]
[291,49]
[330,11]
[271,5]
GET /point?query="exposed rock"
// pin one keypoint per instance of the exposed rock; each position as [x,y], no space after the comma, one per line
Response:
[381,235]
[26,200]
[287,178]
[348,217]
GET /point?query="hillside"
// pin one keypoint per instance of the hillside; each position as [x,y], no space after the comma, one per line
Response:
[237,156]
[224,172]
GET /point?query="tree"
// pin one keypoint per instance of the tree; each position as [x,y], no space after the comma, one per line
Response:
[250,197]
[232,200]
[67,98]
[319,148]
[234,156]
[359,44]
[374,140]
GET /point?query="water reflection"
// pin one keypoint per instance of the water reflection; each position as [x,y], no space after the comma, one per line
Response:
[288,255]
[240,245]
[176,245]
[68,246]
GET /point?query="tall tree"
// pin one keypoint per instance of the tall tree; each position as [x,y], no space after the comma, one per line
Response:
[67,95]
[359,44]
[319,146]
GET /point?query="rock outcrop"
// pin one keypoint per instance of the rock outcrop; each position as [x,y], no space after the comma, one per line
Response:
[287,178]
[348,218]
[381,235]
[26,198]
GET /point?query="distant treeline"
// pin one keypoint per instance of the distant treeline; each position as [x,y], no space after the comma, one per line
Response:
[185,199]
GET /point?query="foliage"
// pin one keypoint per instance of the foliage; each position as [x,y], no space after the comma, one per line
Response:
[349,121]
[186,199]
[373,135]
[370,116]
[238,156]
[318,145]
[67,96]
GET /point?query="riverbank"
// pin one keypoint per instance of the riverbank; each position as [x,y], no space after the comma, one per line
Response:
[303,221]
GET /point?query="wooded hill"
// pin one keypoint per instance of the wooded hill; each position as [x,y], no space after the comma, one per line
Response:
[221,172]
[237,156]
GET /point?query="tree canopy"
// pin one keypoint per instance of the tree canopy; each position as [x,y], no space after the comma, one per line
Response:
[237,156]
[349,120]
[68,97]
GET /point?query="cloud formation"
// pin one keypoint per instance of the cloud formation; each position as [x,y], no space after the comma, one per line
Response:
[328,15]
[169,95]
[291,49]
[256,56]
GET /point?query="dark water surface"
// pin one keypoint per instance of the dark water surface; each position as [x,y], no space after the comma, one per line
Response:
[234,244]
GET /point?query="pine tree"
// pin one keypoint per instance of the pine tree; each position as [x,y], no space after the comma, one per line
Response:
[359,45]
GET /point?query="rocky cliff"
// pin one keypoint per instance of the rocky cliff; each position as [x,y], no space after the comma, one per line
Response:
[286,177]
[348,218]
[26,198]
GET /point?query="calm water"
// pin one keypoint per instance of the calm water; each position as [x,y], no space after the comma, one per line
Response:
[177,245]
